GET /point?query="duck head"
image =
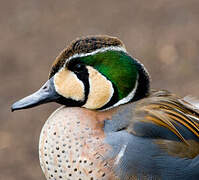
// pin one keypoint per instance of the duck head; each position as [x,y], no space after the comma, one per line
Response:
[92,72]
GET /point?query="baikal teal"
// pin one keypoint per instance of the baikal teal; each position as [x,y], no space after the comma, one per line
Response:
[141,134]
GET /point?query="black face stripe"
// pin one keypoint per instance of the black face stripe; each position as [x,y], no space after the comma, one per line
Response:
[82,74]
[114,99]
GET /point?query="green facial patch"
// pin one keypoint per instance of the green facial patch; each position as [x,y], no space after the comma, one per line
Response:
[118,67]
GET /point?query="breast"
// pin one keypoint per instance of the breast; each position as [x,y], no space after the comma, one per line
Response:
[72,146]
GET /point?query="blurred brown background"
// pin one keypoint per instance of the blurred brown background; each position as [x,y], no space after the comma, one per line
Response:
[163,34]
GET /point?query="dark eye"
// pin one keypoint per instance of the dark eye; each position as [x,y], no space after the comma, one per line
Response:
[78,67]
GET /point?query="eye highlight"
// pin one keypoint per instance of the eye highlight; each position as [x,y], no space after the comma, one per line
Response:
[78,67]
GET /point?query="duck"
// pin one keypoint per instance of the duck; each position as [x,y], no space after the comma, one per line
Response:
[112,124]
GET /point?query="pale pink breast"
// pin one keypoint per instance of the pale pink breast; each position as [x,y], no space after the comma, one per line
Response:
[72,146]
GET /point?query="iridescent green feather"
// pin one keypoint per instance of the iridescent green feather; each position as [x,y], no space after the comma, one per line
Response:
[118,67]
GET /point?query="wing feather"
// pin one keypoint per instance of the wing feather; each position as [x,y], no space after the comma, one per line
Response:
[169,111]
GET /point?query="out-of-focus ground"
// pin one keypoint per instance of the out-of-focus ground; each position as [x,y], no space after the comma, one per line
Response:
[163,34]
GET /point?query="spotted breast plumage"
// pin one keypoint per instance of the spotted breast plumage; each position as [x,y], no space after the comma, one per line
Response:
[112,125]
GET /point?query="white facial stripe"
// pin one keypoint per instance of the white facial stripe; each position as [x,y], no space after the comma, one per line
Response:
[101,90]
[110,48]
[127,98]
[68,85]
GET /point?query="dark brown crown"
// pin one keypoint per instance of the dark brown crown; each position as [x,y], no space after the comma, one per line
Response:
[81,46]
